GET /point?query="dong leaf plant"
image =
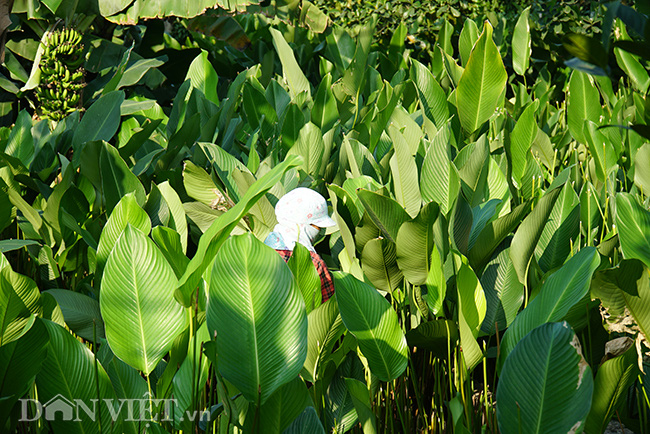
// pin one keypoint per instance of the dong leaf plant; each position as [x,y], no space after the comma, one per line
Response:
[490,259]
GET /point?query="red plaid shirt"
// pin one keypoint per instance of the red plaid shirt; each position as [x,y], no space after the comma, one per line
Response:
[326,281]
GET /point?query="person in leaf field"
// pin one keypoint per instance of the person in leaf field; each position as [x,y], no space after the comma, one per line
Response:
[302,217]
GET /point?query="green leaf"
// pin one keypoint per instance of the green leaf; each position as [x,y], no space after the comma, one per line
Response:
[141,316]
[371,319]
[311,147]
[325,328]
[101,120]
[19,301]
[361,399]
[20,361]
[437,335]
[557,398]
[307,422]
[325,112]
[220,229]
[405,174]
[379,264]
[611,384]
[474,171]
[521,43]
[20,143]
[602,150]
[9,245]
[415,244]
[431,96]
[117,179]
[356,71]
[439,178]
[296,79]
[81,313]
[202,76]
[126,212]
[177,222]
[468,37]
[69,373]
[528,234]
[481,84]
[253,295]
[471,312]
[583,104]
[384,212]
[558,294]
[520,141]
[633,224]
[503,292]
[641,168]
[493,234]
[284,406]
[306,276]
[562,228]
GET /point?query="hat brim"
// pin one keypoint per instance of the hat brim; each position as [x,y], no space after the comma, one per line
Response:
[324,222]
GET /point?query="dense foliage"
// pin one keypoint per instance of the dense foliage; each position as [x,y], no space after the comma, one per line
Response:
[491,259]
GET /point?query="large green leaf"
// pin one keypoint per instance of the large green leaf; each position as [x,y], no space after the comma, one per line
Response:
[503,292]
[19,301]
[583,104]
[439,178]
[528,234]
[493,234]
[20,143]
[432,97]
[81,313]
[141,316]
[474,171]
[362,404]
[558,294]
[20,361]
[405,174]
[101,120]
[633,224]
[521,43]
[372,320]
[545,385]
[471,312]
[311,147]
[254,296]
[220,229]
[203,76]
[306,276]
[521,140]
[284,406]
[602,150]
[642,168]
[70,372]
[296,79]
[563,225]
[612,381]
[384,212]
[177,221]
[481,84]
[117,179]
[307,421]
[379,264]
[415,243]
[325,112]
[468,37]
[325,328]
[126,212]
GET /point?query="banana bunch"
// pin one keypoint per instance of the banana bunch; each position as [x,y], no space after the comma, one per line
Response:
[62,74]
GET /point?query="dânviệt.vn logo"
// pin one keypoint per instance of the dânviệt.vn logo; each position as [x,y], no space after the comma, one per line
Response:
[145,409]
